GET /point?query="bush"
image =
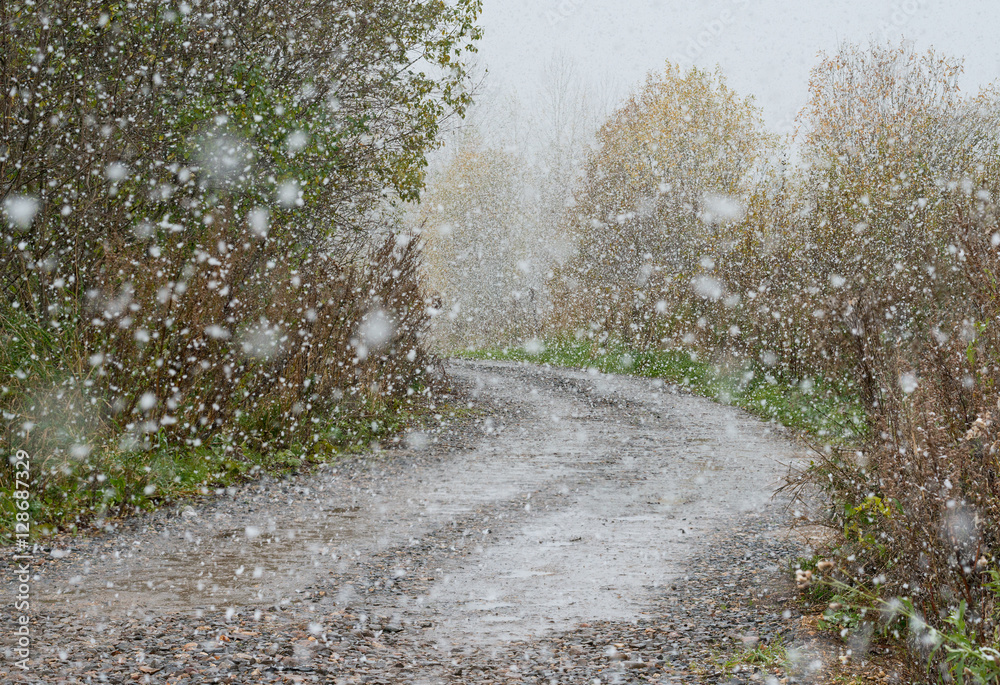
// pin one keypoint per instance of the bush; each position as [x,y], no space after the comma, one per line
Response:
[200,250]
[931,460]
[871,266]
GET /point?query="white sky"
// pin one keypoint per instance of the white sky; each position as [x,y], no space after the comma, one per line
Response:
[764,47]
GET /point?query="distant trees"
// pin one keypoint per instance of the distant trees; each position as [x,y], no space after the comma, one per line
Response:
[476,253]
[671,167]
[891,144]
[491,210]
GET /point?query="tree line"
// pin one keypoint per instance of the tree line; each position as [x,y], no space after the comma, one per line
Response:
[861,255]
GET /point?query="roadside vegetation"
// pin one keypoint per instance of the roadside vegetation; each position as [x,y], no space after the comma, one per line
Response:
[813,406]
[854,290]
[204,274]
[209,272]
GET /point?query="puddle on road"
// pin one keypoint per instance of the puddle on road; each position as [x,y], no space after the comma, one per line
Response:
[223,568]
[246,560]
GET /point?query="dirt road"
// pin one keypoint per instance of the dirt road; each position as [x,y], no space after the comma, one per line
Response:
[586,526]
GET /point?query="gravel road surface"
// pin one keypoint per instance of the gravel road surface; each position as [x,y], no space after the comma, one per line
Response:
[580,528]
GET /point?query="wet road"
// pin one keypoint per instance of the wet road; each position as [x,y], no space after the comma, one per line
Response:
[578,497]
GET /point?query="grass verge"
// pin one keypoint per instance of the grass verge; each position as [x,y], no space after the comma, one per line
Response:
[110,485]
[823,409]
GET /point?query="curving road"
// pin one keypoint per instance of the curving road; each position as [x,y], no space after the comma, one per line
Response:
[573,498]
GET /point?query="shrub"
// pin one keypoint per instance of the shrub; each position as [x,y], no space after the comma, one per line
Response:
[871,265]
[199,246]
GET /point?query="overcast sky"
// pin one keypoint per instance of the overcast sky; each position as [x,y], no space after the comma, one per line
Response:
[764,47]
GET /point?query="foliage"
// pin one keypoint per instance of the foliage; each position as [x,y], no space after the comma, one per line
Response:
[159,105]
[954,652]
[475,251]
[930,467]
[671,168]
[198,250]
[770,655]
[966,661]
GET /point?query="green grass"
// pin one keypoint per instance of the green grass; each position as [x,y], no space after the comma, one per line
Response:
[111,484]
[767,656]
[821,408]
